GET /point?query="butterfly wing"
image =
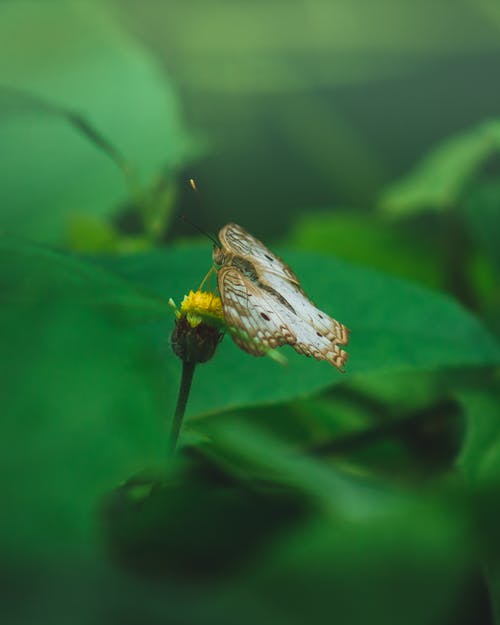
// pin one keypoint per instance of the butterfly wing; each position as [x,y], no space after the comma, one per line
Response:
[237,240]
[258,321]
[274,273]
[322,323]
[252,318]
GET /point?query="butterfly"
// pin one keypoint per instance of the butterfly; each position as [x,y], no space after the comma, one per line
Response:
[264,305]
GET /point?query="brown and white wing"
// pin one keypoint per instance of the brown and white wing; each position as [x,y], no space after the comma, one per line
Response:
[278,275]
[259,321]
[251,316]
[322,323]
[241,243]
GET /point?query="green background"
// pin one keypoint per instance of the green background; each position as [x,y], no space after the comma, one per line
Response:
[361,142]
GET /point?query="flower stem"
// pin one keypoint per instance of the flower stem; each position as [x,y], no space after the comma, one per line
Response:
[188,368]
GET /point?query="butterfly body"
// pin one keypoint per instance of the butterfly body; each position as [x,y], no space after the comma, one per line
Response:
[264,305]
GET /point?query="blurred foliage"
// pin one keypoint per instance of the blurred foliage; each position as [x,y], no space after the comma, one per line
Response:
[459,179]
[314,103]
[71,326]
[289,46]
[441,179]
[371,241]
[363,140]
[78,60]
[483,219]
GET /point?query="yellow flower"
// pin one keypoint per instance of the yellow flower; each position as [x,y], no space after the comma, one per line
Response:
[200,306]
[199,326]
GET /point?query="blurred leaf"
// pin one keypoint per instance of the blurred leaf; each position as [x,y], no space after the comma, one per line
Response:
[89,234]
[480,462]
[79,60]
[402,426]
[482,219]
[82,407]
[35,273]
[370,241]
[251,454]
[439,180]
[407,566]
[203,523]
[81,411]
[94,593]
[405,391]
[354,537]
[156,206]
[14,102]
[322,569]
[88,393]
[482,210]
[395,326]
[480,457]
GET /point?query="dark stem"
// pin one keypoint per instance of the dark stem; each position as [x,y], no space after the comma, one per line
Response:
[186,380]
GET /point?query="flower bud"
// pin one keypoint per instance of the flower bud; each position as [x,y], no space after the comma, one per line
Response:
[198,326]
[196,344]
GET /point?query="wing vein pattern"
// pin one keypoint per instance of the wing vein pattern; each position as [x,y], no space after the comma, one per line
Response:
[265,306]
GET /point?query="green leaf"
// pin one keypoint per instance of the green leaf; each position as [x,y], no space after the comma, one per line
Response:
[367,240]
[82,411]
[482,211]
[35,273]
[482,219]
[439,180]
[307,529]
[82,407]
[90,389]
[267,520]
[480,457]
[15,102]
[78,59]
[252,454]
[480,463]
[411,560]
[407,566]
[395,325]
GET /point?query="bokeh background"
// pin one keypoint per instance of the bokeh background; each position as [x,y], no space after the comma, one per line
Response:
[360,139]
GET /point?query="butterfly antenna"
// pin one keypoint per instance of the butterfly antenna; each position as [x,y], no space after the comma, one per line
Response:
[212,238]
[186,219]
